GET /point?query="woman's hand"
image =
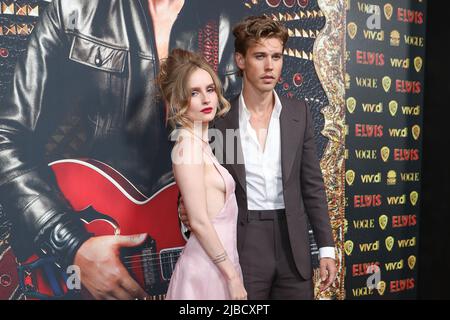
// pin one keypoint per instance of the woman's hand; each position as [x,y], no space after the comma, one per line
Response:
[236,289]
[182,215]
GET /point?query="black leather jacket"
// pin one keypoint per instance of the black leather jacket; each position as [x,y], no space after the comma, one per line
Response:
[98,58]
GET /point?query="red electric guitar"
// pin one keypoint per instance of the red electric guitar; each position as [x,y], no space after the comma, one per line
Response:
[109,204]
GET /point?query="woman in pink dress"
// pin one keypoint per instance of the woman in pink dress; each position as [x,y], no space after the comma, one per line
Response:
[208,267]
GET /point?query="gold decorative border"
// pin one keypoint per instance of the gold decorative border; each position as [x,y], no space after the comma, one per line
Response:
[329,53]
[31,10]
[17,29]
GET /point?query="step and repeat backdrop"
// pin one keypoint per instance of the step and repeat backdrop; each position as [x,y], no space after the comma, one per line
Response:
[385,54]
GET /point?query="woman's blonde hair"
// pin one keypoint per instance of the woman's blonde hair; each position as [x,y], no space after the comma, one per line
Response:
[173,78]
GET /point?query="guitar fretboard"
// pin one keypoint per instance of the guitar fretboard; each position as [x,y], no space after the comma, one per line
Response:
[169,258]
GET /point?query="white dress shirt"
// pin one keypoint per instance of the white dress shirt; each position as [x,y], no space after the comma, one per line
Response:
[263,166]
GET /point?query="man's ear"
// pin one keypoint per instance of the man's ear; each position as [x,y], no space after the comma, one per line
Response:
[240,60]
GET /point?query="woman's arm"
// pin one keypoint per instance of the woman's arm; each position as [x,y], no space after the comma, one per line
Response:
[188,168]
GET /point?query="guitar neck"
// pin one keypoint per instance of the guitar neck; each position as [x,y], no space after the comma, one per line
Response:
[150,268]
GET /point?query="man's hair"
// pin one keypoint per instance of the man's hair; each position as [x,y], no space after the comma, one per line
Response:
[254,28]
[173,78]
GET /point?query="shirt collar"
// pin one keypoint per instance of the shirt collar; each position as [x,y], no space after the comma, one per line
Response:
[244,113]
[277,107]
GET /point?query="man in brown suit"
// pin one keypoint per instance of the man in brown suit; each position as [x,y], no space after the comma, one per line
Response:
[268,147]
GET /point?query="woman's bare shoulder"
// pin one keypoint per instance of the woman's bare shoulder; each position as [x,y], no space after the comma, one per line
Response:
[187,149]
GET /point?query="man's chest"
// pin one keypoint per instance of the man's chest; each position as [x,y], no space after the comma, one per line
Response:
[261,146]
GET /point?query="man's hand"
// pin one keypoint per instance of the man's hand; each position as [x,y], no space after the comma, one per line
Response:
[102,272]
[182,214]
[327,273]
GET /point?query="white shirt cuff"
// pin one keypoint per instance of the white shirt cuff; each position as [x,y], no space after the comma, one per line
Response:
[327,252]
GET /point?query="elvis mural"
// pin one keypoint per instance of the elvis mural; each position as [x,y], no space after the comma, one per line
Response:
[84,141]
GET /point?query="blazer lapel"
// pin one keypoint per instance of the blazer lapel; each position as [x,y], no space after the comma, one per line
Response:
[231,121]
[289,137]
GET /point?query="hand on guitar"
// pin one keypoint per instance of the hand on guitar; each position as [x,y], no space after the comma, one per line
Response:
[102,272]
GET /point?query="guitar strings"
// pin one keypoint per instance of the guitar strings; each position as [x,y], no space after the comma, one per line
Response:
[140,268]
[150,259]
[170,264]
[148,255]
[163,260]
[145,254]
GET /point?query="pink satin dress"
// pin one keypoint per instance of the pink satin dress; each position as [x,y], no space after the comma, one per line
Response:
[195,276]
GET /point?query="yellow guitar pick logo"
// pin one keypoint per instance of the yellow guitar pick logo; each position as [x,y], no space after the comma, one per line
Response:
[388,9]
[350,177]
[411,262]
[389,242]
[381,287]
[352,28]
[393,107]
[415,132]
[414,196]
[386,82]
[351,104]
[418,63]
[383,220]
[385,153]
[348,247]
